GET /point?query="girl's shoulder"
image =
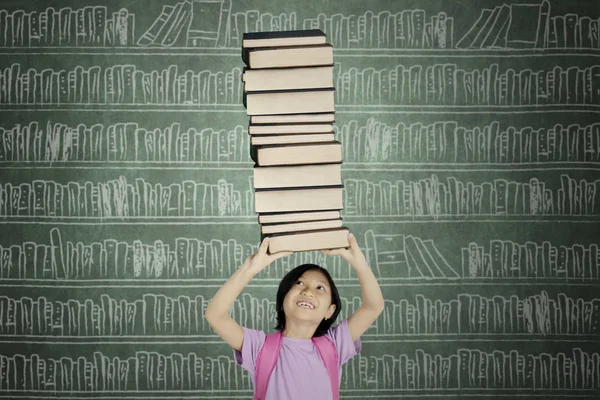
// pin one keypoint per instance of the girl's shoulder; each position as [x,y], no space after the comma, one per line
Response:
[341,338]
[338,332]
[253,341]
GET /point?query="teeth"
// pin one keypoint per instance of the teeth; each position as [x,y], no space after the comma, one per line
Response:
[305,305]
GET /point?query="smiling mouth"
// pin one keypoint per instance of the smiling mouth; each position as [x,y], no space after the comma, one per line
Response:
[305,304]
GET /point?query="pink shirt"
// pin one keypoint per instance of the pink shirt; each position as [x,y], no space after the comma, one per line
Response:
[299,372]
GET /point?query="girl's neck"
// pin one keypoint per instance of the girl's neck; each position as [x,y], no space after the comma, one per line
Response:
[299,331]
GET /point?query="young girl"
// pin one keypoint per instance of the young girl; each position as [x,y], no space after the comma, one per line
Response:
[307,305]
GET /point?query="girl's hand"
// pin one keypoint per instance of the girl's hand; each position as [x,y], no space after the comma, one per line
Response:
[261,259]
[353,255]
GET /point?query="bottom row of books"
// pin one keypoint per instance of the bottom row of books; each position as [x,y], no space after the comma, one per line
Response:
[299,206]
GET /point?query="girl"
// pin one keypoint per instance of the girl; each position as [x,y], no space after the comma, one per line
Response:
[307,305]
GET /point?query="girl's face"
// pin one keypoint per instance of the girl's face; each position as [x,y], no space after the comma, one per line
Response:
[309,298]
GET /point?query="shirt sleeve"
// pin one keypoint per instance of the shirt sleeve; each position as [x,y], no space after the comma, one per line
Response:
[253,341]
[341,338]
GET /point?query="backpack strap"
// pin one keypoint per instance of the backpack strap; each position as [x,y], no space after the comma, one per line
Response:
[265,363]
[330,358]
[269,352]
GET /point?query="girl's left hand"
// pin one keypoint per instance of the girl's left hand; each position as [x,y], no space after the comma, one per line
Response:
[353,255]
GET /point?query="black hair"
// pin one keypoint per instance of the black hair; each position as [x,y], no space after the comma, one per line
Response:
[290,280]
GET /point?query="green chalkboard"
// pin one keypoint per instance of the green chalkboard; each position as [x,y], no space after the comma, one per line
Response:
[471,148]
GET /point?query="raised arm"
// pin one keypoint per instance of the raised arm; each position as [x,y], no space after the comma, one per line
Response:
[372,298]
[217,312]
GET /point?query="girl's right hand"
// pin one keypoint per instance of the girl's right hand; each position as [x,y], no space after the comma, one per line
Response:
[261,259]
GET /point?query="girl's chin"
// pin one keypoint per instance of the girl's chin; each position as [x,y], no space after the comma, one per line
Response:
[305,315]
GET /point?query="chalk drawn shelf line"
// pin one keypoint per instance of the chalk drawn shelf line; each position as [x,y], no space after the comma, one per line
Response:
[252,221]
[214,340]
[347,395]
[247,394]
[340,109]
[355,219]
[356,52]
[495,392]
[274,283]
[346,166]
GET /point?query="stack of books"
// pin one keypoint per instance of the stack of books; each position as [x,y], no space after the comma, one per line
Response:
[289,97]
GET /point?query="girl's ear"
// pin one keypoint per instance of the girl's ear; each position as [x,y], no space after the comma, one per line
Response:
[330,311]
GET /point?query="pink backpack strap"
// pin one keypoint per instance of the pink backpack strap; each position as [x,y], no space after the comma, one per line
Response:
[269,352]
[265,363]
[329,355]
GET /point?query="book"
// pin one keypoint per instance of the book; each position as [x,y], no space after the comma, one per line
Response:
[301,199]
[487,27]
[309,240]
[205,27]
[300,226]
[498,29]
[469,37]
[297,154]
[283,38]
[263,140]
[285,57]
[278,218]
[293,118]
[291,102]
[289,128]
[180,23]
[288,78]
[528,26]
[297,176]
[150,35]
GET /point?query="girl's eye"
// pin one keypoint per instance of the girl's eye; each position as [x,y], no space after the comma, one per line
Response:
[299,283]
[321,288]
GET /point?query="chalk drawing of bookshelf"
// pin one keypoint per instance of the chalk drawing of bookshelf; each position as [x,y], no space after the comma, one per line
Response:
[166,373]
[448,141]
[122,199]
[453,196]
[530,26]
[190,258]
[431,197]
[55,142]
[208,23]
[392,257]
[440,84]
[153,315]
[441,141]
[509,259]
